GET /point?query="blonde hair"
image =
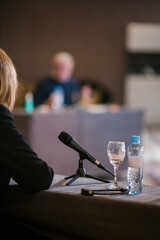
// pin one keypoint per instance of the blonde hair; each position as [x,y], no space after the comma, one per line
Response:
[63,57]
[8,81]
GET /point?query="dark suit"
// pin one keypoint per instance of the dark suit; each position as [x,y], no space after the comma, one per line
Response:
[18,161]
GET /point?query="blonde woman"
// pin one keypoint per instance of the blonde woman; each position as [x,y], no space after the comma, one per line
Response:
[17,160]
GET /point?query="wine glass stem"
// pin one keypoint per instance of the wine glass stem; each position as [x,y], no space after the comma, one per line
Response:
[115,175]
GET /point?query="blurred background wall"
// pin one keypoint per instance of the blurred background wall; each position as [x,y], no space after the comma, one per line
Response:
[92,30]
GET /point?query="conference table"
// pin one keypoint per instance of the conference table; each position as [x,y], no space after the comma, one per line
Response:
[62,212]
[92,127]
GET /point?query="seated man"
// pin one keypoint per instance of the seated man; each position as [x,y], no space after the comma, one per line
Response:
[62,66]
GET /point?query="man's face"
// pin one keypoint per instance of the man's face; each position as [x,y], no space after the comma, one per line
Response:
[62,71]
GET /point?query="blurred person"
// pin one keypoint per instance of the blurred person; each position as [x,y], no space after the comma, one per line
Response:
[93,93]
[62,67]
[17,159]
[87,95]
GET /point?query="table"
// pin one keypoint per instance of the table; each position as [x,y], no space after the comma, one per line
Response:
[63,213]
[92,128]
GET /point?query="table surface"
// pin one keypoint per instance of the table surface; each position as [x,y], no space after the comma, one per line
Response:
[150,194]
[63,213]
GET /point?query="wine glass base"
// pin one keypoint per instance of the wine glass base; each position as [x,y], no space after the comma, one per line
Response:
[115,186]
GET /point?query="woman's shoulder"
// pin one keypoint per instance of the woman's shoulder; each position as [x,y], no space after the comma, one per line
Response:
[4,111]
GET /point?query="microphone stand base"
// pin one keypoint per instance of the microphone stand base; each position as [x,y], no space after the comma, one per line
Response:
[81,172]
[76,176]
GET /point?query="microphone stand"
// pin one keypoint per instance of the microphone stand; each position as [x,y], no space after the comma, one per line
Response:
[81,172]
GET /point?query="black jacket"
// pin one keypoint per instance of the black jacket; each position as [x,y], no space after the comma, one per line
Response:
[18,161]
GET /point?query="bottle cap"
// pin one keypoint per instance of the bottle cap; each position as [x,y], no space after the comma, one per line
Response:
[135,139]
[58,88]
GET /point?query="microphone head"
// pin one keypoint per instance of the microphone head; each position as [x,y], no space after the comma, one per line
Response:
[65,138]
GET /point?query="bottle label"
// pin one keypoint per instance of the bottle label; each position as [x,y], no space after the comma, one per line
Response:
[135,162]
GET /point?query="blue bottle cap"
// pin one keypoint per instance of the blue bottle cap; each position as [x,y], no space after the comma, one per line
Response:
[136,139]
[58,88]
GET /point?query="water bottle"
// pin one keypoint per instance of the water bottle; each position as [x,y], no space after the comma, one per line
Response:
[135,154]
[29,103]
[58,98]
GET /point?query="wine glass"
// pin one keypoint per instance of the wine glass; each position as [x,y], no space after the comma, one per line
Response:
[116,153]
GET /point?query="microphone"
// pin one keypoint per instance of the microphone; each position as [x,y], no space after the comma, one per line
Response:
[71,142]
